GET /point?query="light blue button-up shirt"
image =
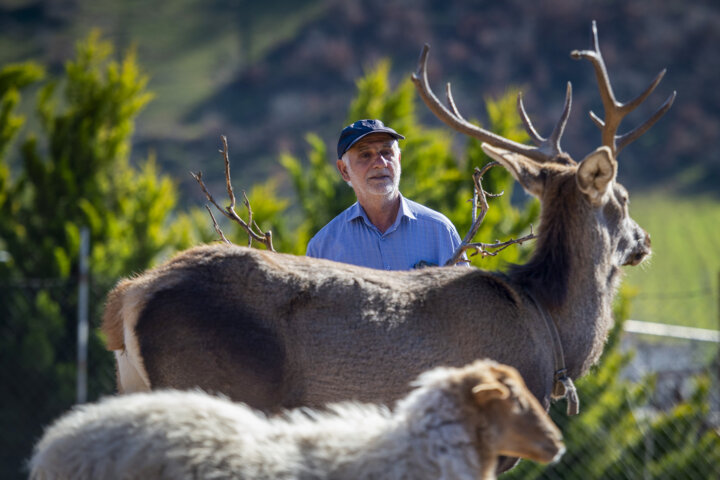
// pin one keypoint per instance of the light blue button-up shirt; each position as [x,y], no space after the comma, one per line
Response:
[418,234]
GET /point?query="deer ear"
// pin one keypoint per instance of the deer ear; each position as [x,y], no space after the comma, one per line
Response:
[595,174]
[485,392]
[526,171]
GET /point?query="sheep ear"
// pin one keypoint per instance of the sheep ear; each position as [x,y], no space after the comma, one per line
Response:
[485,392]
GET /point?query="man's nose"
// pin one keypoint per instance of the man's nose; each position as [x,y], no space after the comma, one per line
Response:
[380,161]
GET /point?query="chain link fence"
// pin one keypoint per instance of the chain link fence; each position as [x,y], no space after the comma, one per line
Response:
[38,361]
[651,411]
[658,419]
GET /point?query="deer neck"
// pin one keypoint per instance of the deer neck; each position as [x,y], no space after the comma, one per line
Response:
[572,277]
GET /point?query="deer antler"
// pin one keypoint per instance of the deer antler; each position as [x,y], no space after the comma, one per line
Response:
[263,237]
[480,202]
[615,111]
[547,149]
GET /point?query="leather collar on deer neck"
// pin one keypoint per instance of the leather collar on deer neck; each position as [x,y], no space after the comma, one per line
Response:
[563,386]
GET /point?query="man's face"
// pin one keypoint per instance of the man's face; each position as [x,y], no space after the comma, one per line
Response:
[373,166]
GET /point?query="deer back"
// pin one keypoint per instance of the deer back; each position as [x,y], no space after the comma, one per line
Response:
[279,330]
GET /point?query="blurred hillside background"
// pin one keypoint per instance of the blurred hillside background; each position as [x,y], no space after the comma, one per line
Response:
[280,79]
[266,73]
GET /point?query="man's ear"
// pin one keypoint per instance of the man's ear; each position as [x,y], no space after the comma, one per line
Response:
[525,170]
[596,173]
[342,168]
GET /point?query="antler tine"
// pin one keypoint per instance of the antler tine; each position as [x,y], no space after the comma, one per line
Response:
[610,105]
[551,145]
[615,111]
[529,127]
[627,138]
[633,104]
[456,122]
[560,127]
[451,101]
[595,57]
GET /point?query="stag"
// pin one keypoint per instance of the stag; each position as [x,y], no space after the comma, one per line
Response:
[278,331]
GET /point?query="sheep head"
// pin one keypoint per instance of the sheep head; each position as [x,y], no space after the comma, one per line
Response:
[512,421]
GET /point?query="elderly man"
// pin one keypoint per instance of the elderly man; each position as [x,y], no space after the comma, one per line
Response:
[382,229]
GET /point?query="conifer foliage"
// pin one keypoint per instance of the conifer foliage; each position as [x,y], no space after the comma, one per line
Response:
[71,169]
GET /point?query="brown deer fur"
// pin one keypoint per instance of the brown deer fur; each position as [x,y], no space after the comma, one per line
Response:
[276,330]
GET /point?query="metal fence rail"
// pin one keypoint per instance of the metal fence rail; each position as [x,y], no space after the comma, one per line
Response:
[672,331]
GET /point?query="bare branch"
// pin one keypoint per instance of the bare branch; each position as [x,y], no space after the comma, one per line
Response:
[482,248]
[250,221]
[250,227]
[217,227]
[226,157]
[479,202]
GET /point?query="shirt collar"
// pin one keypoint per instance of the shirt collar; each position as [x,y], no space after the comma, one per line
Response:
[356,211]
[405,210]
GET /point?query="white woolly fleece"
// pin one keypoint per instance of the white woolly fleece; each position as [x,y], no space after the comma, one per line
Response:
[191,435]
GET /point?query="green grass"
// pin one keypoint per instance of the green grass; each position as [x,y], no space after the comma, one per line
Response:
[679,283]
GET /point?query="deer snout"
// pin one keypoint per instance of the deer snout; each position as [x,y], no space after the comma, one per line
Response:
[642,251]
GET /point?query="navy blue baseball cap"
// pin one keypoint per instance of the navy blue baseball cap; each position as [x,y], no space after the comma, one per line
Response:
[355,131]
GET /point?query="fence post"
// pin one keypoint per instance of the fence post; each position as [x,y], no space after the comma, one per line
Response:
[82,316]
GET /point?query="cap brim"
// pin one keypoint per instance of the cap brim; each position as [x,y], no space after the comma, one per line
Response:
[392,133]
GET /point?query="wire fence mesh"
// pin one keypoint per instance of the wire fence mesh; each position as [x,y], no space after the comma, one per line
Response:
[650,411]
[658,419]
[38,354]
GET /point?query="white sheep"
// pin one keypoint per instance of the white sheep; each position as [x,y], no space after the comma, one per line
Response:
[453,425]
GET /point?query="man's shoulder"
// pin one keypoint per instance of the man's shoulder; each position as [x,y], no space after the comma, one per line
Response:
[335,224]
[427,214]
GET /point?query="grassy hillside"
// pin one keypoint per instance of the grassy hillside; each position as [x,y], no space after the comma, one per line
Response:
[266,73]
[679,284]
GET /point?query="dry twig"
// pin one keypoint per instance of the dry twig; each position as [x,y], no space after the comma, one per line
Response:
[479,201]
[254,232]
